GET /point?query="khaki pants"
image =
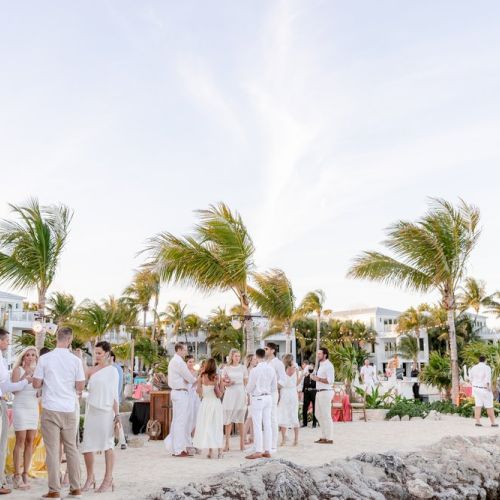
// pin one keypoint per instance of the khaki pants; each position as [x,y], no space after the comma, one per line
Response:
[59,427]
[324,413]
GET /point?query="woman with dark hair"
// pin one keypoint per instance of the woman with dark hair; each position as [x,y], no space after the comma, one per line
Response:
[101,416]
[209,424]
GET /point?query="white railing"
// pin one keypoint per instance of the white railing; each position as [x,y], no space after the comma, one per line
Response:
[25,316]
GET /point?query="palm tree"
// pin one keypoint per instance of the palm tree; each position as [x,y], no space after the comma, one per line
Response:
[473,350]
[31,248]
[145,287]
[313,303]
[273,295]
[430,254]
[305,333]
[438,372]
[346,360]
[60,306]
[221,336]
[193,324]
[473,296]
[408,348]
[217,257]
[494,305]
[175,316]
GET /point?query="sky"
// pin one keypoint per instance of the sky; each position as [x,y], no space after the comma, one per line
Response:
[320,122]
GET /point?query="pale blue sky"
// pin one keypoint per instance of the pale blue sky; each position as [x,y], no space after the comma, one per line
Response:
[320,121]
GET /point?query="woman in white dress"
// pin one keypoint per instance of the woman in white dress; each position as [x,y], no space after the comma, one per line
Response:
[234,377]
[288,406]
[209,423]
[101,416]
[194,399]
[26,413]
[250,363]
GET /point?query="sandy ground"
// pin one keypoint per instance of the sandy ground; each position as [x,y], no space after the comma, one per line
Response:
[142,471]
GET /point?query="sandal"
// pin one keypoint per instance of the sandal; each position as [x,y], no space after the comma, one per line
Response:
[18,484]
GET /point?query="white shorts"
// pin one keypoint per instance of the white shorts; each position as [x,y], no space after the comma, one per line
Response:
[482,397]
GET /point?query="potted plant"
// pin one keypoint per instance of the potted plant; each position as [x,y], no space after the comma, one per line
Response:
[376,403]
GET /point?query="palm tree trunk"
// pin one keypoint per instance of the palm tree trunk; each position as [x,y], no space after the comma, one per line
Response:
[248,335]
[455,374]
[318,336]
[40,336]
[144,313]
[132,355]
[155,315]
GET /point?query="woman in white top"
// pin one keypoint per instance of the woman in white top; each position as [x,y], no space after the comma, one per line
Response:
[209,429]
[194,398]
[234,377]
[101,416]
[26,414]
[250,363]
[288,406]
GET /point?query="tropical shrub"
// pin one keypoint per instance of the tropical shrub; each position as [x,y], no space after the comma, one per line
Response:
[438,372]
[374,399]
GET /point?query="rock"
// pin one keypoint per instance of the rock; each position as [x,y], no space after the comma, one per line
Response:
[433,415]
[420,489]
[453,469]
[395,419]
[405,418]
[417,418]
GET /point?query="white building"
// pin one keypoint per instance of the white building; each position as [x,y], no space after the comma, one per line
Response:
[384,322]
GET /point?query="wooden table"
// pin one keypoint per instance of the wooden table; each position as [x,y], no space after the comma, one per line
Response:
[161,410]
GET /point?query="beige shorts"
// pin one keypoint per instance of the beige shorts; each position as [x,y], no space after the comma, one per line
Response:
[483,397]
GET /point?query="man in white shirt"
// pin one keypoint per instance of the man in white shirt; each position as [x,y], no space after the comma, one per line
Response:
[62,376]
[480,379]
[368,376]
[324,393]
[6,386]
[179,378]
[261,383]
[271,349]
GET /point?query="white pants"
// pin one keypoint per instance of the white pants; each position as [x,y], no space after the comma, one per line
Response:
[261,418]
[324,413]
[274,420]
[177,441]
[4,431]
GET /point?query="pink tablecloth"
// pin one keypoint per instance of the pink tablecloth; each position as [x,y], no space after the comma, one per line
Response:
[140,390]
[346,414]
[467,390]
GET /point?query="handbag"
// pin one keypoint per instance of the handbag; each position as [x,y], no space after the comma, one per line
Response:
[153,429]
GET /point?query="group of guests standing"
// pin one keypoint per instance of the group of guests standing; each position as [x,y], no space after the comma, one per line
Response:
[259,397]
[47,388]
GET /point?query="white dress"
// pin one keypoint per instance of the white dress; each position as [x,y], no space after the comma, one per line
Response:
[194,406]
[288,406]
[25,408]
[98,429]
[209,424]
[235,400]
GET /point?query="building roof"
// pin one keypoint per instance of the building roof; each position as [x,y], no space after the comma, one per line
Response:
[377,311]
[10,297]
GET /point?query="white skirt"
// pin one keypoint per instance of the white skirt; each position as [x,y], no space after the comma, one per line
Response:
[98,430]
[209,425]
[25,415]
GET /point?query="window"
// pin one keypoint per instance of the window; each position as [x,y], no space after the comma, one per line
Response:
[421,344]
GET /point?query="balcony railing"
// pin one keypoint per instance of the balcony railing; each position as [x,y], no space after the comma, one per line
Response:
[24,316]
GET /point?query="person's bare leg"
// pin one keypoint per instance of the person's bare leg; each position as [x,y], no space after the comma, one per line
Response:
[283,435]
[209,453]
[248,430]
[296,436]
[89,466]
[107,482]
[491,415]
[241,432]
[18,447]
[228,436]
[477,414]
[28,454]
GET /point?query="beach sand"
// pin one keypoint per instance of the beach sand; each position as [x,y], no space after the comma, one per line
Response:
[143,471]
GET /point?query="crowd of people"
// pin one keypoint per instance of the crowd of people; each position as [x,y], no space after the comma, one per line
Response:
[47,389]
[259,399]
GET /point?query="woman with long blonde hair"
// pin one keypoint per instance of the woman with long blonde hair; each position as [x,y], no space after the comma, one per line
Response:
[26,415]
[234,404]
[288,406]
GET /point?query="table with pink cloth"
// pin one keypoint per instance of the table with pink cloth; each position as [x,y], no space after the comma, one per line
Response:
[141,390]
[467,390]
[346,414]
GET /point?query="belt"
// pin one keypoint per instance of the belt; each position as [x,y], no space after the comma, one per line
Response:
[479,387]
[259,395]
[311,389]
[321,390]
[180,390]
